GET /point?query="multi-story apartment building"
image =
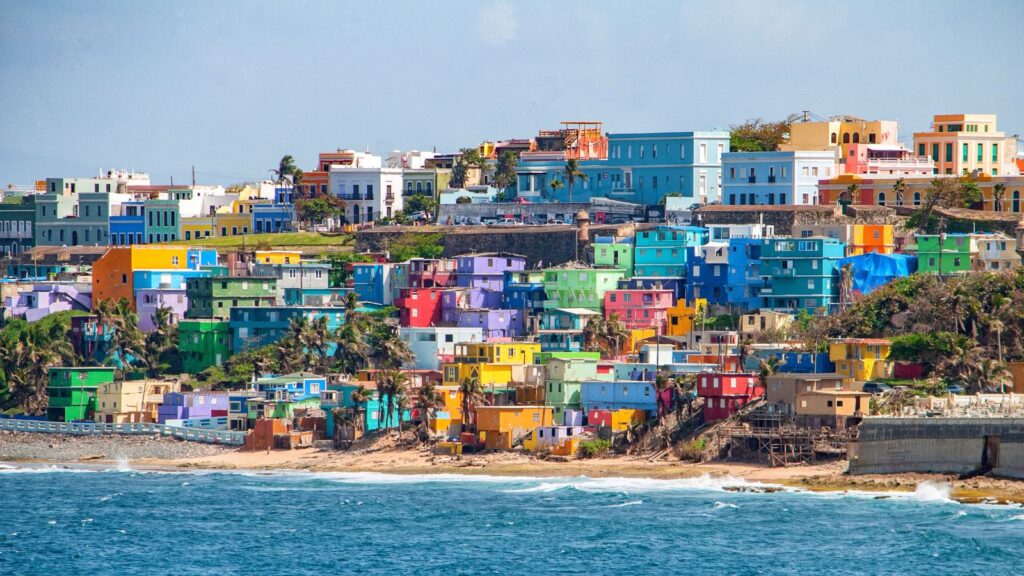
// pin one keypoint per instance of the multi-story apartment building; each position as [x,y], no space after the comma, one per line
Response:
[786,178]
[965,143]
[370,190]
[800,273]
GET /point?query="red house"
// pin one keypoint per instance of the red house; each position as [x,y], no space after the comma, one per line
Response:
[725,393]
[419,307]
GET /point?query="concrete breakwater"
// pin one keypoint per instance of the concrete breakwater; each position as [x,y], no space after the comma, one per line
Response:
[939,445]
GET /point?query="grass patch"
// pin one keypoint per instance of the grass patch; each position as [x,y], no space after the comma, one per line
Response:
[291,239]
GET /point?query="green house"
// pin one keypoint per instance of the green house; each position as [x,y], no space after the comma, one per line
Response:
[203,343]
[614,255]
[215,297]
[17,221]
[564,382]
[579,288]
[954,257]
[72,392]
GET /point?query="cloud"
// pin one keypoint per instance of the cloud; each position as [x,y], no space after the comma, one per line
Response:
[497,23]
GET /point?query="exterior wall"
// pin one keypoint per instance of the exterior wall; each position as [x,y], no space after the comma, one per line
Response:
[775,177]
[662,250]
[639,308]
[800,272]
[861,359]
[938,445]
[963,143]
[216,297]
[369,193]
[614,255]
[163,221]
[618,395]
[203,343]
[17,226]
[954,256]
[837,134]
[113,275]
[148,301]
[419,307]
[575,288]
[72,392]
[432,346]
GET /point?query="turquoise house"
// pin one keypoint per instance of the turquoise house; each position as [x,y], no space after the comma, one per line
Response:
[801,273]
[662,251]
[641,168]
[340,396]
[561,329]
[257,326]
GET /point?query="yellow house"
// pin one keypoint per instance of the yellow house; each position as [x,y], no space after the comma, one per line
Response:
[838,132]
[861,358]
[496,352]
[450,404]
[681,316]
[757,323]
[490,375]
[113,275]
[964,143]
[232,224]
[636,336]
[198,227]
[500,427]
[131,401]
[278,256]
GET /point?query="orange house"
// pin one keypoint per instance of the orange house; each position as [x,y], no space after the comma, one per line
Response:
[113,274]
[501,426]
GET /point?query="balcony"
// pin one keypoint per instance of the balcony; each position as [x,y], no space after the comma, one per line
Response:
[623,190]
[355,196]
[389,198]
[785,272]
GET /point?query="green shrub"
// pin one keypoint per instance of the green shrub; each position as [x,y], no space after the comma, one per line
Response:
[594,448]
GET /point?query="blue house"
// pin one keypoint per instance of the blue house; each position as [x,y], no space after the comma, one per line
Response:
[268,218]
[168,279]
[785,178]
[744,281]
[561,329]
[618,395]
[129,227]
[199,258]
[709,272]
[640,168]
[792,362]
[257,326]
[374,282]
[661,251]
[801,273]
[294,386]
[524,291]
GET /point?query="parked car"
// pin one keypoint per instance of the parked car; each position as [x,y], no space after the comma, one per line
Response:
[955,389]
[876,388]
[506,222]
[419,216]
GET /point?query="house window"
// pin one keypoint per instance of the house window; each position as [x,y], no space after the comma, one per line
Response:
[703,153]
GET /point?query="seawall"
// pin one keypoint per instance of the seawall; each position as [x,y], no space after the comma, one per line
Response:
[939,445]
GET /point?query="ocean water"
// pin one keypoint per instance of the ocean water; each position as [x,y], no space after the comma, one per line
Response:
[122,521]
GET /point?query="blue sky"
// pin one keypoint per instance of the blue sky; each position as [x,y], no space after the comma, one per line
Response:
[232,86]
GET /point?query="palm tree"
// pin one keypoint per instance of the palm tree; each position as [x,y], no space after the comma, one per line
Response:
[392,386]
[767,367]
[472,396]
[360,396]
[899,190]
[573,173]
[427,398]
[964,365]
[615,335]
[351,350]
[998,194]
[556,185]
[26,363]
[847,196]
[159,342]
[662,383]
[592,333]
[391,351]
[991,375]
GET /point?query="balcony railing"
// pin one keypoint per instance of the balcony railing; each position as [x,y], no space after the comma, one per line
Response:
[351,196]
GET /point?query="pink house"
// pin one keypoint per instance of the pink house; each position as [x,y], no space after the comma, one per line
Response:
[885,159]
[639,308]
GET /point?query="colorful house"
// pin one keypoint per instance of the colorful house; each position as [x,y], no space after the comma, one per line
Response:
[131,400]
[71,392]
[619,395]
[725,393]
[148,301]
[638,309]
[203,343]
[198,227]
[215,297]
[561,329]
[801,273]
[755,324]
[374,282]
[495,324]
[708,276]
[524,291]
[430,272]
[192,405]
[419,307]
[946,254]
[257,326]
[502,427]
[681,316]
[859,238]
[294,386]
[775,177]
[861,358]
[964,143]
[608,253]
[432,346]
[487,270]
[579,288]
[564,383]
[744,280]
[113,275]
[995,252]
[661,251]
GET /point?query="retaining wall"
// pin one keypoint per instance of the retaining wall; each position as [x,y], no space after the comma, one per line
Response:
[937,445]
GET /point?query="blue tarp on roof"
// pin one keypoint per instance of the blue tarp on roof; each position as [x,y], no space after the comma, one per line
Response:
[873,270]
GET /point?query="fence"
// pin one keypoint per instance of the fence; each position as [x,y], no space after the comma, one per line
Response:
[228,437]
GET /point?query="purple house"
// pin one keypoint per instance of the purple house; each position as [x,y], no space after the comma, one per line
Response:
[185,405]
[487,270]
[149,299]
[456,299]
[46,298]
[495,324]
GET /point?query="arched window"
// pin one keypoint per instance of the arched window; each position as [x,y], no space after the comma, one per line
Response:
[834,138]
[1016,200]
[419,187]
[846,138]
[408,186]
[881,198]
[430,187]
[917,198]
[856,137]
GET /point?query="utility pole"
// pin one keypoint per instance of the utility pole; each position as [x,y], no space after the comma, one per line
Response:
[193,175]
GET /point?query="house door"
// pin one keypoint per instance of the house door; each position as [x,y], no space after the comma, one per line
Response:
[74,238]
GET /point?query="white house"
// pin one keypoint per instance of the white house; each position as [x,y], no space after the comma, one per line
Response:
[431,345]
[369,190]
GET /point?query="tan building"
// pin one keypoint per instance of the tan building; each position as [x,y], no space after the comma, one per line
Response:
[964,143]
[132,400]
[839,132]
[783,389]
[757,323]
[831,408]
